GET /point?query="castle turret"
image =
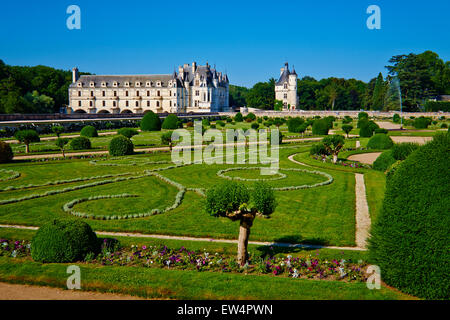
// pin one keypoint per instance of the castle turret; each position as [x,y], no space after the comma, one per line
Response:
[75,75]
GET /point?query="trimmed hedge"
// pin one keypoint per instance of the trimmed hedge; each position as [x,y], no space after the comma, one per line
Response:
[120,146]
[410,238]
[127,132]
[384,161]
[320,127]
[238,117]
[366,128]
[80,143]
[401,151]
[294,124]
[170,122]
[6,153]
[89,131]
[64,240]
[150,122]
[421,123]
[380,141]
[434,106]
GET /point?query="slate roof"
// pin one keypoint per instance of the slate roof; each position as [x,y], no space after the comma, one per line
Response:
[284,77]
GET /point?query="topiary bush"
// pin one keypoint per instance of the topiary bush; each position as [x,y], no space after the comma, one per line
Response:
[64,240]
[238,117]
[421,123]
[401,151]
[254,125]
[384,161]
[6,153]
[396,118]
[89,131]
[366,128]
[150,122]
[380,141]
[120,146]
[320,127]
[80,143]
[294,124]
[381,130]
[127,132]
[410,238]
[170,122]
[319,149]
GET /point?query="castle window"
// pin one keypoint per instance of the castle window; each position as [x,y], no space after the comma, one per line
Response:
[170,103]
[103,93]
[114,103]
[197,93]
[126,103]
[138,84]
[92,93]
[90,103]
[126,93]
[158,93]
[285,95]
[158,84]
[285,86]
[79,84]
[104,103]
[79,103]
[92,84]
[137,93]
[137,103]
[148,103]
[127,84]
[115,93]
[103,84]
[148,93]
[148,84]
[79,93]
[157,104]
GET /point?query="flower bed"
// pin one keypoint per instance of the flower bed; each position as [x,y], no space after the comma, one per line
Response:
[10,174]
[346,163]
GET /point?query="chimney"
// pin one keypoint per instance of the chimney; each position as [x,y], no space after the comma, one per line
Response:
[75,75]
[194,66]
[281,71]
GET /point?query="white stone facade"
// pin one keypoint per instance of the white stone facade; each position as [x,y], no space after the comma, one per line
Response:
[193,89]
[286,88]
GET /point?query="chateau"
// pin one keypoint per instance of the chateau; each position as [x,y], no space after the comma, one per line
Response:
[194,88]
[286,88]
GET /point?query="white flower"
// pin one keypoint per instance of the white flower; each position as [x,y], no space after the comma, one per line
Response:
[295,274]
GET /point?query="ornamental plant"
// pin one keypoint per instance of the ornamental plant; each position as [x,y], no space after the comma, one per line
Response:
[421,122]
[127,132]
[294,123]
[170,122]
[63,240]
[238,117]
[320,127]
[366,128]
[409,240]
[384,161]
[238,203]
[61,144]
[347,128]
[26,137]
[80,143]
[57,130]
[6,153]
[333,144]
[380,141]
[166,139]
[150,122]
[120,146]
[401,151]
[89,131]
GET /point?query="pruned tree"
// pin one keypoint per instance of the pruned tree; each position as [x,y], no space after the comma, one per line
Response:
[57,130]
[334,144]
[61,144]
[238,203]
[347,128]
[27,137]
[166,138]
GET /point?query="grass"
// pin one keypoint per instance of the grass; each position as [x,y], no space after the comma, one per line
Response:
[178,284]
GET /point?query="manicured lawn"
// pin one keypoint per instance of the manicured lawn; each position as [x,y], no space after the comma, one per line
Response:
[177,284]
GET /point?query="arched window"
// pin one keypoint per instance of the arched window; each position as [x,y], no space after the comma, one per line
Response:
[285,86]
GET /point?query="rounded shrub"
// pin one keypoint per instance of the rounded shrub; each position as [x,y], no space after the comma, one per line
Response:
[409,239]
[294,123]
[6,153]
[320,127]
[380,141]
[421,122]
[238,117]
[89,131]
[64,240]
[384,161]
[366,128]
[402,150]
[251,116]
[444,126]
[254,125]
[381,130]
[150,122]
[170,122]
[396,118]
[120,146]
[319,149]
[127,132]
[80,143]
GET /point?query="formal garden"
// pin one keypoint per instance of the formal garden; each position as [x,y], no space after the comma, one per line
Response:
[94,195]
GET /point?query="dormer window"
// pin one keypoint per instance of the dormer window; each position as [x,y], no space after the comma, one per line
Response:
[103,84]
[115,84]
[158,84]
[79,84]
[92,84]
[138,84]
[148,84]
[127,84]
[285,86]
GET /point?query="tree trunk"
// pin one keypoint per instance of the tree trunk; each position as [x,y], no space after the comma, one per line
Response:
[27,148]
[334,158]
[64,155]
[244,233]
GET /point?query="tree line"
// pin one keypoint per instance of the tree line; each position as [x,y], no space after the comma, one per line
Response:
[418,77]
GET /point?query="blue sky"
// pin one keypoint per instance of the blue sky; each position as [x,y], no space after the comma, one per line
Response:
[250,40]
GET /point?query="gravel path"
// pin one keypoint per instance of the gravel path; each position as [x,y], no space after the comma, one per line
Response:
[367,158]
[362,212]
[27,292]
[63,136]
[419,140]
[388,125]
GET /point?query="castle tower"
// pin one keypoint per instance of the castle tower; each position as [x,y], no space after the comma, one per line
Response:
[286,88]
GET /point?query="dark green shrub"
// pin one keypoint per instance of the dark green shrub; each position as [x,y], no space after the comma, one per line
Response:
[57,130]
[380,141]
[263,198]
[367,128]
[80,143]
[444,126]
[6,153]
[260,120]
[238,117]
[220,123]
[402,150]
[363,115]
[319,150]
[410,238]
[268,123]
[150,122]
[255,125]
[89,131]
[330,120]
[225,197]
[120,146]
[64,240]
[294,124]
[434,106]
[229,120]
[381,130]
[166,138]
[384,161]
[347,128]
[206,122]
[396,118]
[213,126]
[320,127]
[127,132]
[347,119]
[250,116]
[171,122]
[422,123]
[27,137]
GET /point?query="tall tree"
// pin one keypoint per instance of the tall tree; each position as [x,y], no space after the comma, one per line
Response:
[378,93]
